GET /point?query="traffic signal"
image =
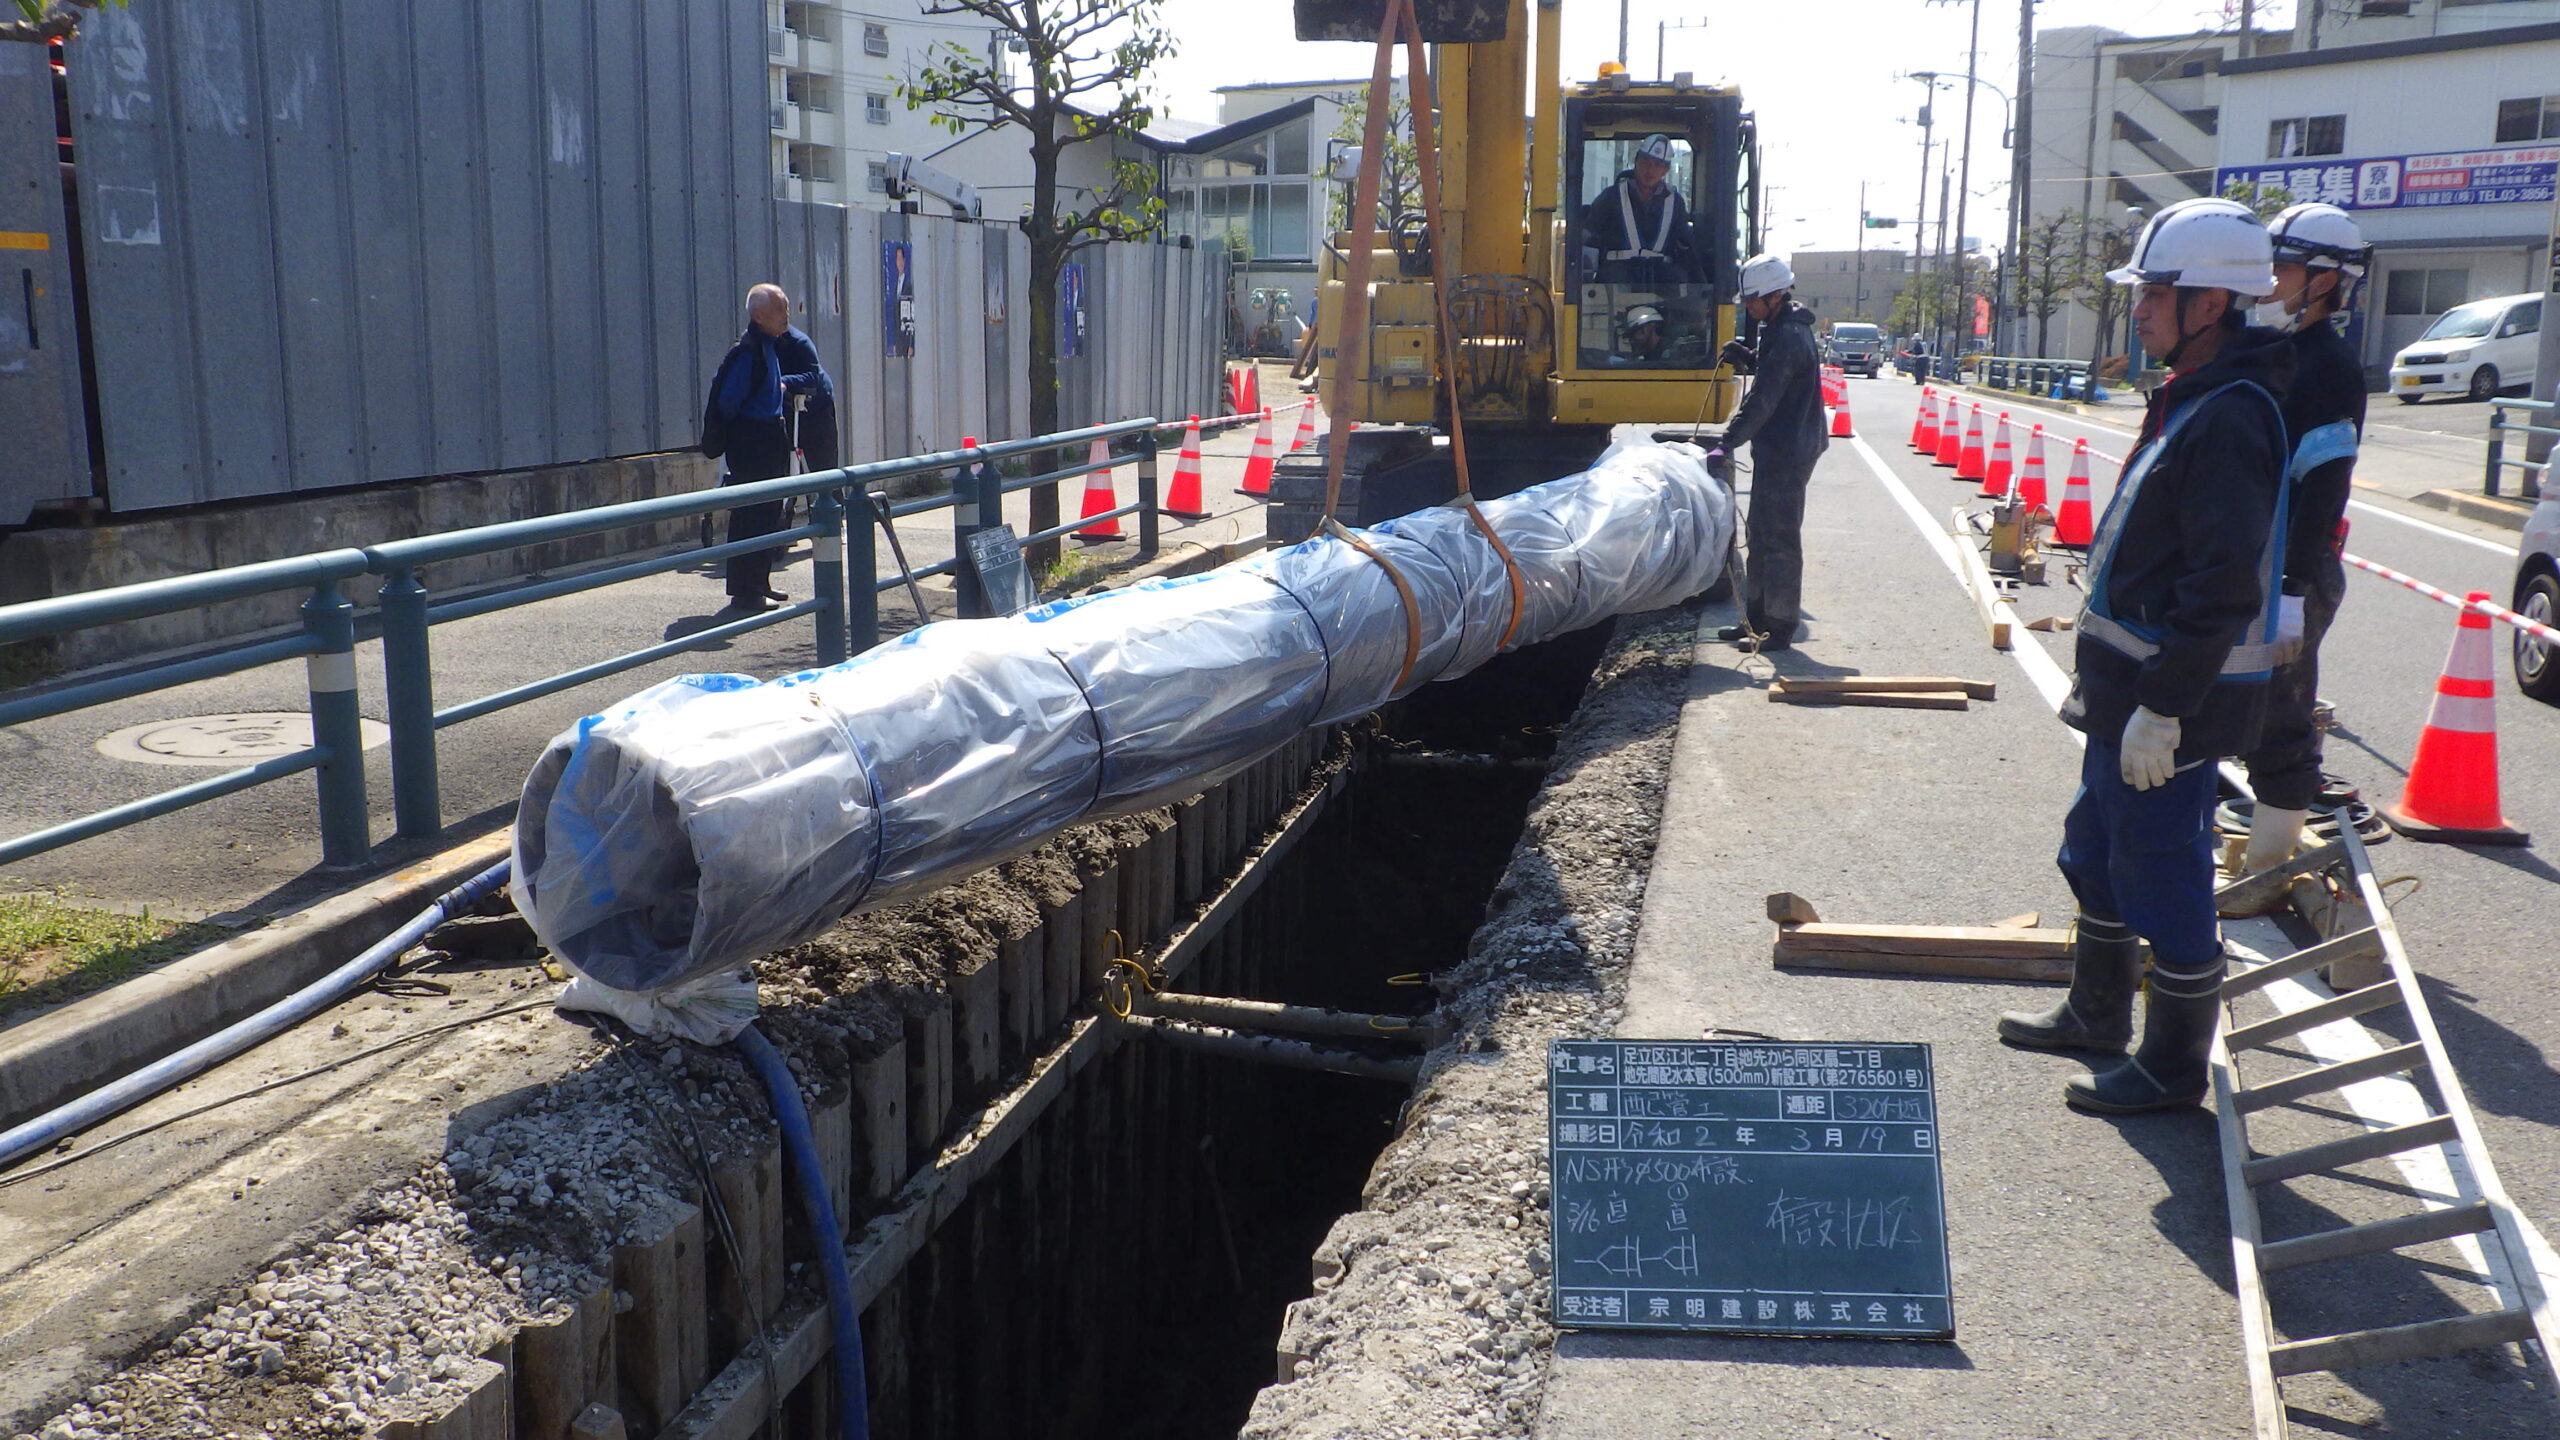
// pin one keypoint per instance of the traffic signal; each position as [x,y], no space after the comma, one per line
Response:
[1882,222]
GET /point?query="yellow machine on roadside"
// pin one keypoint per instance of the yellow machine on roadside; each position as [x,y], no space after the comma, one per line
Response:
[1543,365]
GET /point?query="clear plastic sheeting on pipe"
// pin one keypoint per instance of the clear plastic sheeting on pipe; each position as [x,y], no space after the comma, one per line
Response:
[712,818]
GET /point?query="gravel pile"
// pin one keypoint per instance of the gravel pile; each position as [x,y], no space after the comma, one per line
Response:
[1430,1318]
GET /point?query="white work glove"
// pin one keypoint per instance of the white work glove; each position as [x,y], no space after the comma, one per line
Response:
[1720,464]
[2149,755]
[2288,629]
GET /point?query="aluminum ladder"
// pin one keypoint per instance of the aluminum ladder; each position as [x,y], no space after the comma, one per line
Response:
[2482,1211]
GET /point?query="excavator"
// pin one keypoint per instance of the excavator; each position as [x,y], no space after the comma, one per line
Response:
[1546,356]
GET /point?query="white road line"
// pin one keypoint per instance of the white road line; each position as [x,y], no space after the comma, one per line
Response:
[2379,1103]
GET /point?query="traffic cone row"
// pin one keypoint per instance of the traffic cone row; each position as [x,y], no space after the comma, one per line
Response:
[1183,496]
[2452,794]
[1099,498]
[1950,434]
[1924,423]
[2031,472]
[2072,524]
[2000,469]
[1969,460]
[1257,466]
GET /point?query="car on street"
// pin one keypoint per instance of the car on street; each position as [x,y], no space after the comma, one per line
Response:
[2537,597]
[1857,348]
[2474,350]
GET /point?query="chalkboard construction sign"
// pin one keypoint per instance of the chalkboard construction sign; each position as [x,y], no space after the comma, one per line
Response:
[1761,1188]
[995,558]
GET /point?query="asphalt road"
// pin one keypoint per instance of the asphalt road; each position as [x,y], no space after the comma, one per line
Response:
[258,851]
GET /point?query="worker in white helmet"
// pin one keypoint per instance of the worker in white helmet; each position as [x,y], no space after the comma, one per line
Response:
[2320,263]
[1639,227]
[1782,420]
[2174,647]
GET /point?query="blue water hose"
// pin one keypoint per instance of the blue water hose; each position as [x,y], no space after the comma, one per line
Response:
[801,1140]
[122,1095]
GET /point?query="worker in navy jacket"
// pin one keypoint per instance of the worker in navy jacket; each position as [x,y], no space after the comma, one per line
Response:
[747,421]
[2174,647]
[1782,421]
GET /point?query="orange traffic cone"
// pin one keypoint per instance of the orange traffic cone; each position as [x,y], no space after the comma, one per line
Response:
[1306,426]
[1252,390]
[1924,421]
[1997,474]
[2031,472]
[2072,524]
[1100,498]
[1969,460]
[1950,433]
[1257,466]
[2452,794]
[1840,428]
[1183,497]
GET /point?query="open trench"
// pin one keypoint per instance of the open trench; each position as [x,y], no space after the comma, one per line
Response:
[1058,1225]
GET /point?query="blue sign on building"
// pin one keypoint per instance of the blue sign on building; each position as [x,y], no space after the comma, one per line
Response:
[2521,174]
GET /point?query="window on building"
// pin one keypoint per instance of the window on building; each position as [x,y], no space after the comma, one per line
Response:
[2306,135]
[2377,9]
[811,91]
[812,162]
[2521,122]
[878,180]
[2169,65]
[2426,292]
[875,108]
[809,22]
[875,39]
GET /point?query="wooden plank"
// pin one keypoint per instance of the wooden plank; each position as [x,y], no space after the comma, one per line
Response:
[1190,827]
[661,1344]
[2023,920]
[598,1422]
[2023,969]
[1103,939]
[928,1076]
[880,1124]
[486,1410]
[745,1287]
[2257,1326]
[1021,963]
[1065,949]
[1966,940]
[563,1365]
[2402,1342]
[1853,684]
[1871,699]
[977,1033]
[832,1120]
[1788,908]
[1977,580]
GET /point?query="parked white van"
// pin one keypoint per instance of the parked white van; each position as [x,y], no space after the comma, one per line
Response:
[2476,350]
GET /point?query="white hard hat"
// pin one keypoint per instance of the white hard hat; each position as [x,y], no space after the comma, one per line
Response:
[1654,147]
[2208,243]
[2321,236]
[1766,275]
[1639,315]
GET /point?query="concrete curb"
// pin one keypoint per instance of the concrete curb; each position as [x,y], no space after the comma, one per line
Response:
[2487,509]
[64,1053]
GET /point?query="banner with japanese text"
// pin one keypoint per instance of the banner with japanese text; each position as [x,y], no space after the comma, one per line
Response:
[2519,174]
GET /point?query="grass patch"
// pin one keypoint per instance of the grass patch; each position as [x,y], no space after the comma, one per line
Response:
[51,951]
[1072,570]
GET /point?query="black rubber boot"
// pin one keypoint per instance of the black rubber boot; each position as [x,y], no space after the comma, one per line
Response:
[2168,1070]
[2097,1014]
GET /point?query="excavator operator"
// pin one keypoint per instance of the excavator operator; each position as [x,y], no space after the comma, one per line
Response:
[1639,226]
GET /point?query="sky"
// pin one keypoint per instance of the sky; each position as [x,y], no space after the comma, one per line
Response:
[1824,77]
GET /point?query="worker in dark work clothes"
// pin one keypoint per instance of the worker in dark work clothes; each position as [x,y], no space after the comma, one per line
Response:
[747,409]
[1782,420]
[1639,227]
[2174,647]
[2320,261]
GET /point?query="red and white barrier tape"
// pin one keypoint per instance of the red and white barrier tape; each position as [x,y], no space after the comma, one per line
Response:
[2493,611]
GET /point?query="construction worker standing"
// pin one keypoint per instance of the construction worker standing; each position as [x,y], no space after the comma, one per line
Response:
[2175,643]
[2320,262]
[1782,418]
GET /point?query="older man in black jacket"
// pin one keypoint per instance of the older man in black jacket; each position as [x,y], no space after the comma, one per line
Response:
[1782,420]
[2175,644]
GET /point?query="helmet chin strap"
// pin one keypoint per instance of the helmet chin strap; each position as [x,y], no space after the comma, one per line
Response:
[2186,337]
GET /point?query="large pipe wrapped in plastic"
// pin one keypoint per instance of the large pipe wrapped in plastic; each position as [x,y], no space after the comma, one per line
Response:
[714,818]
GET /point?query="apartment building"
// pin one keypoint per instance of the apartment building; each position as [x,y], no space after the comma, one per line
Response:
[835,71]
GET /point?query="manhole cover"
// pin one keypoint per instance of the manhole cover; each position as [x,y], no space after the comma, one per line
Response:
[244,738]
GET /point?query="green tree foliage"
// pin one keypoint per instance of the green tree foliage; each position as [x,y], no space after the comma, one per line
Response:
[2268,200]
[1399,169]
[1082,81]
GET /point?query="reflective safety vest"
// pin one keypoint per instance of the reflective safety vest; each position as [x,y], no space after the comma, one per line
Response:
[2252,657]
[1661,232]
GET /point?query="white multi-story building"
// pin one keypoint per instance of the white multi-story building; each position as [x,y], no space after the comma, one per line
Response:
[835,71]
[1850,284]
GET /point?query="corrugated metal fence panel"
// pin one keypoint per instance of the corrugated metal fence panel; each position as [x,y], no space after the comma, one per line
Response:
[45,456]
[340,241]
[863,383]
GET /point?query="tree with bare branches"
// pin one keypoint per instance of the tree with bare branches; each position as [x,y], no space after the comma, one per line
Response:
[2047,262]
[1083,82]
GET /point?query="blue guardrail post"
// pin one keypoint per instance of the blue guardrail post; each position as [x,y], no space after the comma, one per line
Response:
[826,510]
[329,618]
[862,567]
[408,680]
[1144,445]
[965,522]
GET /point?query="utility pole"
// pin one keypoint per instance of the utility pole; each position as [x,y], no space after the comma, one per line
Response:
[1622,34]
[2022,165]
[1920,207]
[1858,286]
[1964,175]
[2248,24]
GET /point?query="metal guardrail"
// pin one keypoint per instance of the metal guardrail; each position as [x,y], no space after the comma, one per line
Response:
[847,617]
[2035,376]
[2534,471]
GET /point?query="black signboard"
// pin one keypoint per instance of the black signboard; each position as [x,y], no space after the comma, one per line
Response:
[995,558]
[1763,1187]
